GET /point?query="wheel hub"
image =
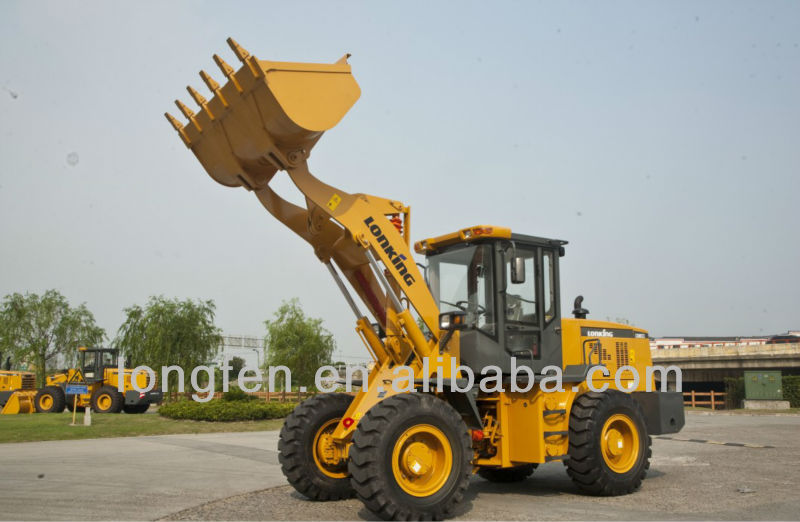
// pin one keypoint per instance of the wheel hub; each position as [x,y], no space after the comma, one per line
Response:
[619,443]
[327,454]
[422,459]
[327,450]
[417,459]
[616,443]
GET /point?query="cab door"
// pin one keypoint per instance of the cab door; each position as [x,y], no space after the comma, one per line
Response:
[530,307]
[92,366]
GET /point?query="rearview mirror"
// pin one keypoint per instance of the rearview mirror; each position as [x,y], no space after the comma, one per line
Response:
[518,270]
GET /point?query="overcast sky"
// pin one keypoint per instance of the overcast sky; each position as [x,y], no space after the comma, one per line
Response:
[662,140]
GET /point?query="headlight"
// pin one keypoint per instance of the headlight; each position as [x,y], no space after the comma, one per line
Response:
[452,320]
[444,322]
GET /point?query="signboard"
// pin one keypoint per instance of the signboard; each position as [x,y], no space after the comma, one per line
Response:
[76,389]
[76,385]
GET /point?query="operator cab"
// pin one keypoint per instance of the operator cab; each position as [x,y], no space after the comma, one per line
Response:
[94,361]
[506,287]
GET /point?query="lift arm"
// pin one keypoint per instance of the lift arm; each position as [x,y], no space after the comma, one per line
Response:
[265,118]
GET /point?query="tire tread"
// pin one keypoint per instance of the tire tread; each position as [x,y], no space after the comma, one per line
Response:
[298,467]
[585,465]
[371,486]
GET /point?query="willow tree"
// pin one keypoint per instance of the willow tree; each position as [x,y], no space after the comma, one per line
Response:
[170,332]
[37,328]
[298,342]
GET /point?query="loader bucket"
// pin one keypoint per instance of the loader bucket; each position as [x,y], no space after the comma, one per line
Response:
[19,402]
[263,112]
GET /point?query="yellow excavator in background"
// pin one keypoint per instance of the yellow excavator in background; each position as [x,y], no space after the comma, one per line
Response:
[489,298]
[97,370]
[17,391]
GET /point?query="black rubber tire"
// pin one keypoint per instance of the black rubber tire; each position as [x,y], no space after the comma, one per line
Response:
[117,400]
[371,454]
[69,401]
[586,465]
[57,394]
[295,447]
[135,408]
[515,474]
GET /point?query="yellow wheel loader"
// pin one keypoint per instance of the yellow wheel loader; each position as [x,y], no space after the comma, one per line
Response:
[98,370]
[17,392]
[490,307]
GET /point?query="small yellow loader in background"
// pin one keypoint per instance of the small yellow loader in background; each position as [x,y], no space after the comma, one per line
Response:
[17,392]
[97,369]
[488,297]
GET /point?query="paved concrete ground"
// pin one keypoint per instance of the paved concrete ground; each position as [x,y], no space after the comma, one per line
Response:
[234,477]
[132,478]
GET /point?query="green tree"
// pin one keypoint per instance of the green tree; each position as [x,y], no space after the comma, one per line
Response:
[36,329]
[298,342]
[168,332]
[236,364]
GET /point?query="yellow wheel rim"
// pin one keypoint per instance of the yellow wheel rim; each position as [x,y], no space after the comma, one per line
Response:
[422,460]
[104,402]
[620,443]
[46,402]
[327,454]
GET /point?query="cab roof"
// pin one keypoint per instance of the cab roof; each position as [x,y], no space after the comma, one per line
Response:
[470,234]
[92,350]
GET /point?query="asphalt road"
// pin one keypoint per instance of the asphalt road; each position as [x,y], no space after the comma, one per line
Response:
[236,477]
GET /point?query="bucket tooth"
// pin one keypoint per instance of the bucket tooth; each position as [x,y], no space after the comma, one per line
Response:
[185,110]
[245,57]
[189,114]
[228,71]
[240,52]
[178,127]
[213,86]
[174,121]
[200,100]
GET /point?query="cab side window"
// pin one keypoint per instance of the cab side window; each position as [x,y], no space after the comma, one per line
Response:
[520,298]
[549,286]
[481,290]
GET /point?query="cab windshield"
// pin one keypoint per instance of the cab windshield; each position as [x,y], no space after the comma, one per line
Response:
[462,279]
